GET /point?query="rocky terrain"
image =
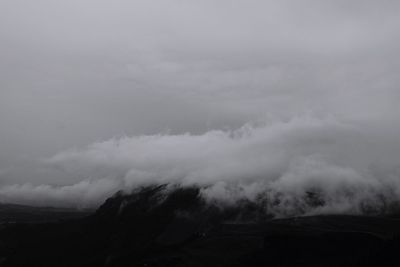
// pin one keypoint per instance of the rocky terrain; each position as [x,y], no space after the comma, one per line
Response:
[154,226]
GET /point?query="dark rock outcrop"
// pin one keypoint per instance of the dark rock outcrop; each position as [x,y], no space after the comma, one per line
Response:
[174,226]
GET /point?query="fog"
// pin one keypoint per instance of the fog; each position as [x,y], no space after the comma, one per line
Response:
[351,167]
[249,97]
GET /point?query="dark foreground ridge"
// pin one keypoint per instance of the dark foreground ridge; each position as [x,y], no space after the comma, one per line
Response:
[163,226]
[12,213]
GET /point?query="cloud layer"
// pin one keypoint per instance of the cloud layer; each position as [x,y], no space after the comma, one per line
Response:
[78,72]
[74,71]
[300,166]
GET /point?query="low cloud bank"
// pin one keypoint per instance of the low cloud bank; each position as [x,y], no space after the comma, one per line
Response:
[85,194]
[305,165]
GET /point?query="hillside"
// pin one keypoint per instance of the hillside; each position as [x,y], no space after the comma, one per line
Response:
[154,227]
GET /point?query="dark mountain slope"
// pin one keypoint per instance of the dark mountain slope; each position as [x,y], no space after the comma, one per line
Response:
[174,226]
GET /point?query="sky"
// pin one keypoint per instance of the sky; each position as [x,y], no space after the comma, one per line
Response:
[99,95]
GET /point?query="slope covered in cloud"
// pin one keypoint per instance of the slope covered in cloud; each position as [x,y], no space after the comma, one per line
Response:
[299,166]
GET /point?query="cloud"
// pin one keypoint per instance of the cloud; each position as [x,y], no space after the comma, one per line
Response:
[85,194]
[76,72]
[303,165]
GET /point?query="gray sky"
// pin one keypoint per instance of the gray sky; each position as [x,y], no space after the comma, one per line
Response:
[73,73]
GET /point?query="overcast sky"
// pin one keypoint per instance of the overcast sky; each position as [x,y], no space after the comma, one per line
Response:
[74,73]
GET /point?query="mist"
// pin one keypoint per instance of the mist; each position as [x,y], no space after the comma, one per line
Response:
[267,101]
[349,167]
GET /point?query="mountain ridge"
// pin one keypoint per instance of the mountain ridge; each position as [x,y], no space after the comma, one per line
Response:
[164,225]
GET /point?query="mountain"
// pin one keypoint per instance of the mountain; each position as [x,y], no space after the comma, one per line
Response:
[174,226]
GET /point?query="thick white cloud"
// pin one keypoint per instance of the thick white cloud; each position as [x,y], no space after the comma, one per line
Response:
[348,165]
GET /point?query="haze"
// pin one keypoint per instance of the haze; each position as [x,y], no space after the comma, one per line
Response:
[100,95]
